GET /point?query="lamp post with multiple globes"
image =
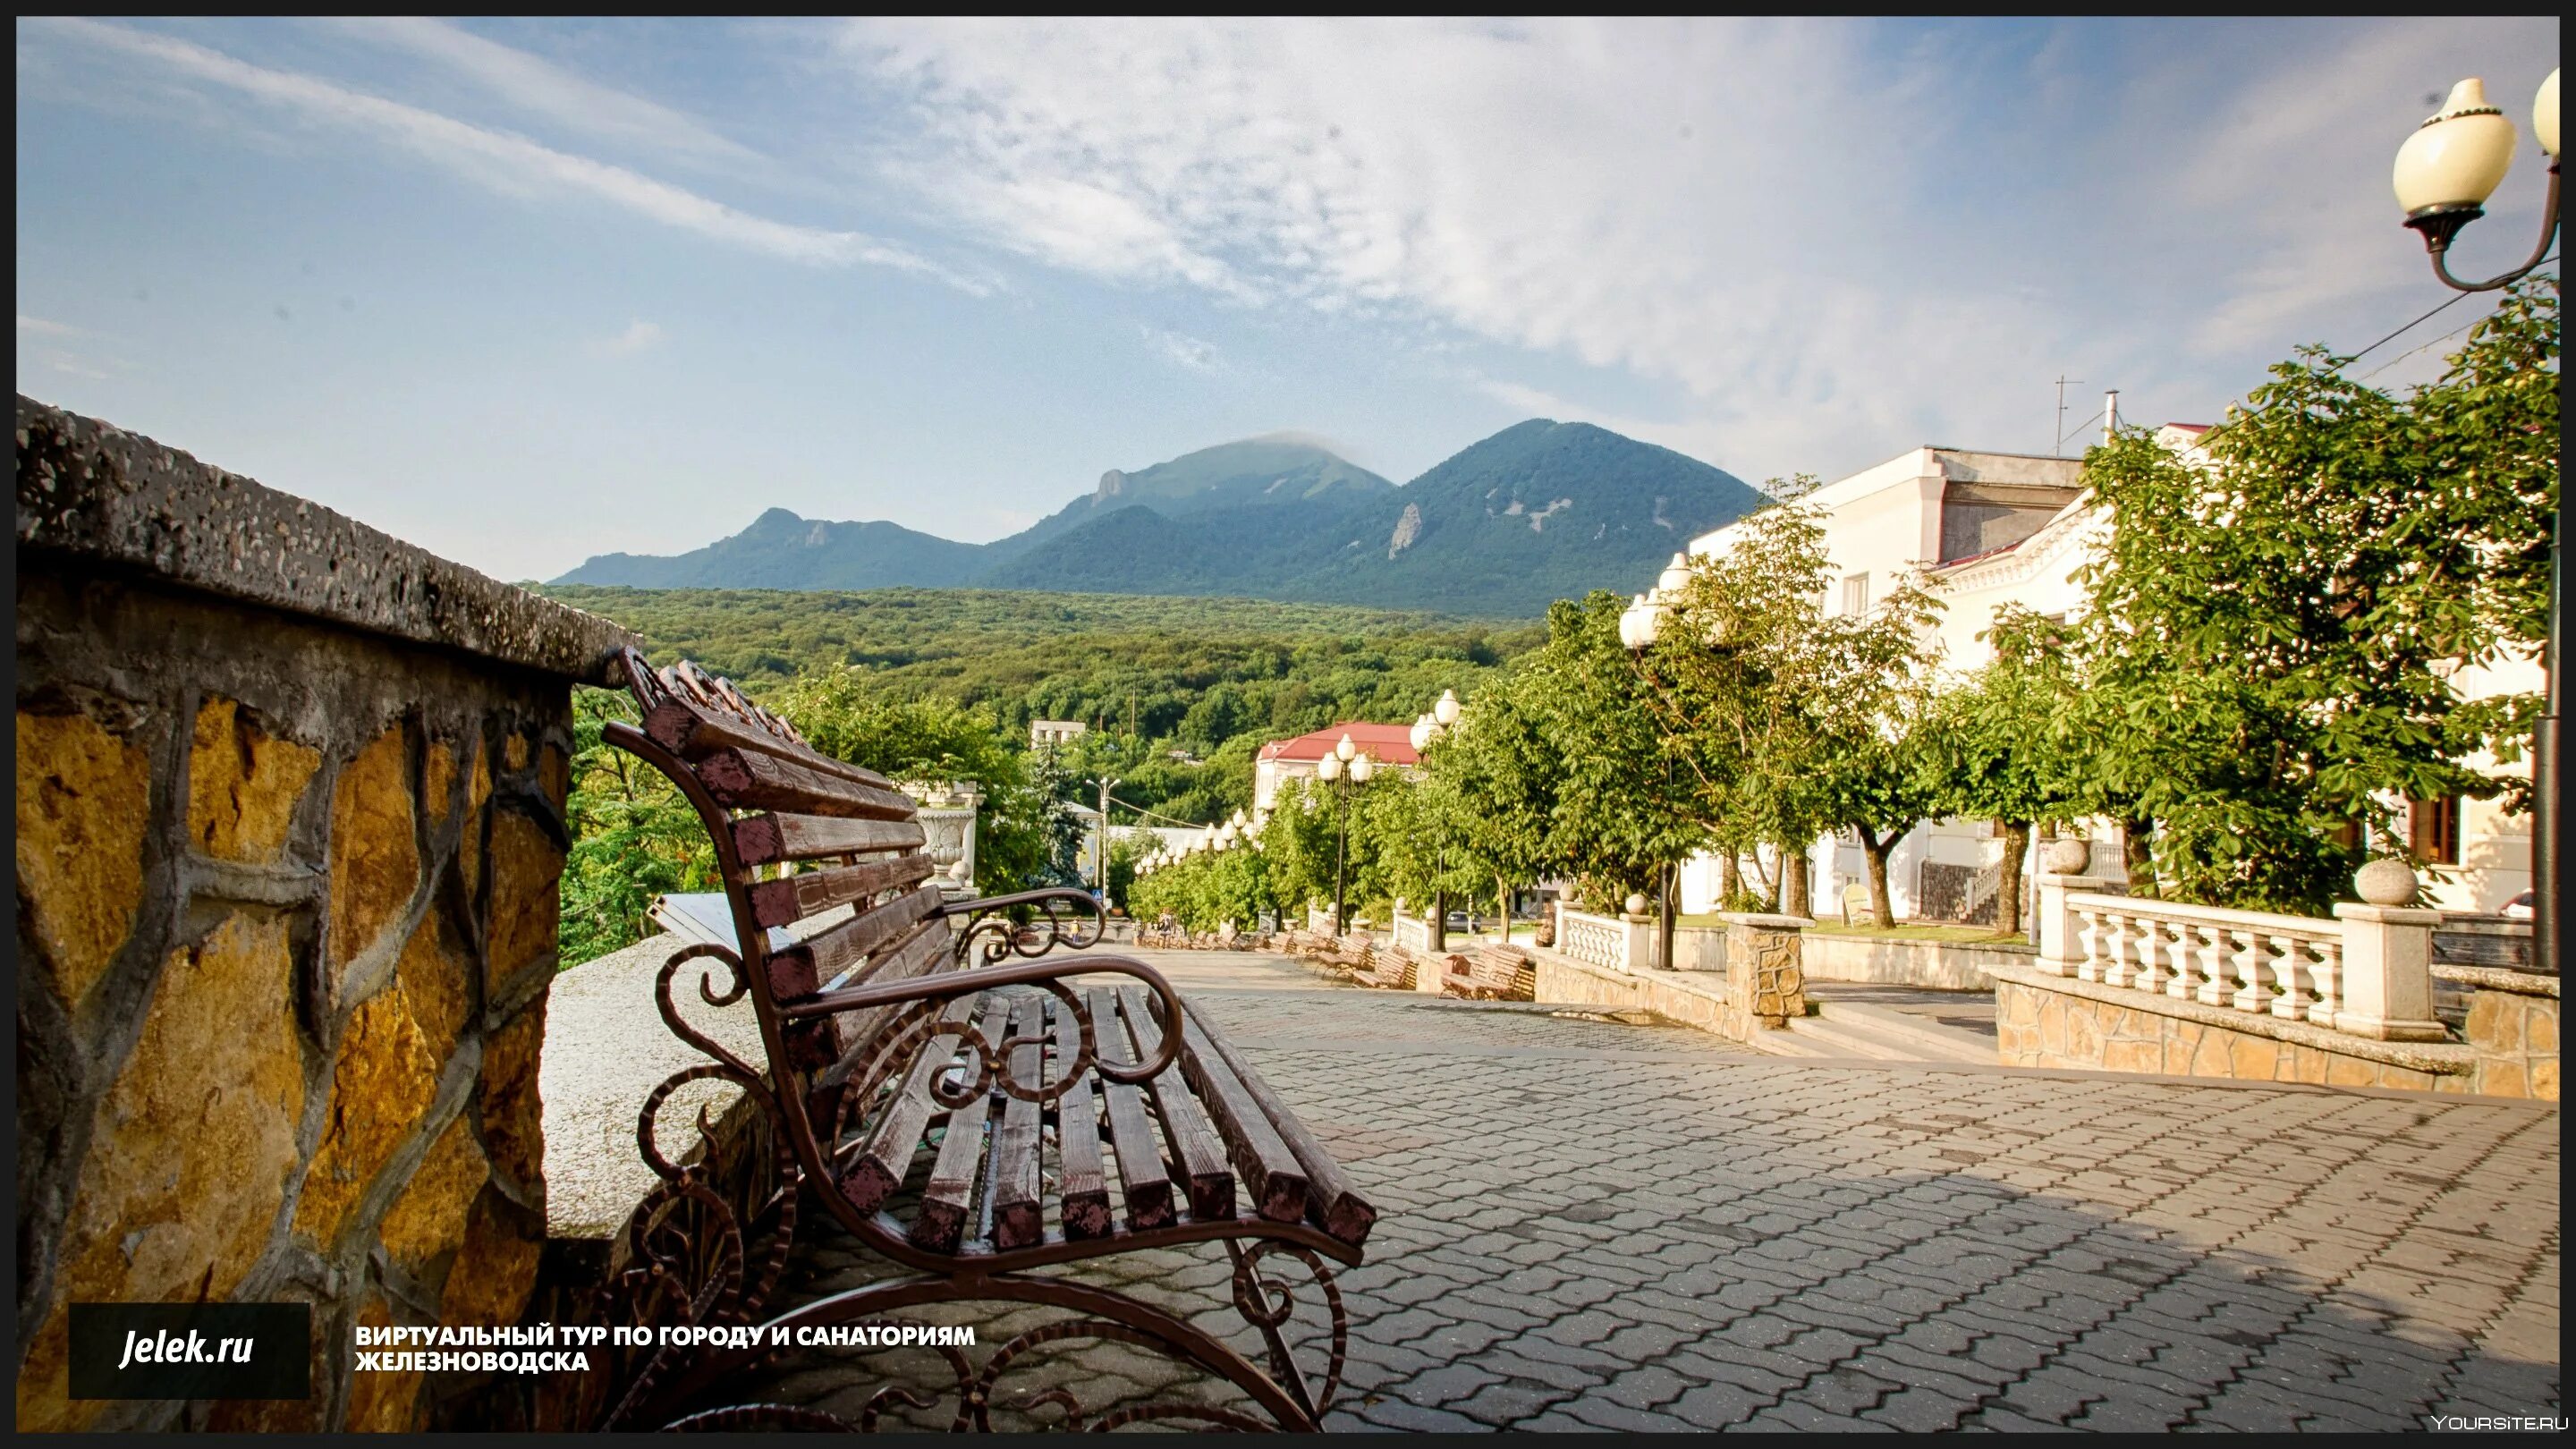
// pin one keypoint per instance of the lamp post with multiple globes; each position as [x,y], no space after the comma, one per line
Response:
[1343,766]
[1431,726]
[2445,173]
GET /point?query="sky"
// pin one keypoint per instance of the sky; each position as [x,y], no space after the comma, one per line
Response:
[522,292]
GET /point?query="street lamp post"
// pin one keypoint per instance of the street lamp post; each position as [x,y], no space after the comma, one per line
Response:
[1431,726]
[1345,766]
[2445,173]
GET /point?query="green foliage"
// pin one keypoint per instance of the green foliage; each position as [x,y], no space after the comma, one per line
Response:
[2276,631]
[1141,669]
[634,837]
[1204,890]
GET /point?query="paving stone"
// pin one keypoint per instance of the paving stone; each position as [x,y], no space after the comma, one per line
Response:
[1646,1228]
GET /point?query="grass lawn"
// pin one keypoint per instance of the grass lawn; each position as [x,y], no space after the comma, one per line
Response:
[1903,931]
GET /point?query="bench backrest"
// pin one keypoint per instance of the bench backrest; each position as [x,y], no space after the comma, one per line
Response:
[797,834]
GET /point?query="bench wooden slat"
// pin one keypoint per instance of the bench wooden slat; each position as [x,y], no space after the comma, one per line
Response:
[802,968]
[1334,1203]
[1013,1202]
[1143,1185]
[694,732]
[1196,1148]
[923,953]
[1270,1172]
[1083,1199]
[765,839]
[785,902]
[747,780]
[882,1164]
[948,1199]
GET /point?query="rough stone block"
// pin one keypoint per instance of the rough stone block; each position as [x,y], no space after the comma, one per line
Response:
[243,784]
[2343,1071]
[436,978]
[512,1113]
[381,1402]
[554,776]
[496,1265]
[84,798]
[2254,1058]
[438,781]
[381,1082]
[190,1151]
[428,1217]
[526,907]
[375,855]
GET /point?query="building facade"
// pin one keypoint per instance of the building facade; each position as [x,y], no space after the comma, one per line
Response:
[1389,746]
[1986,530]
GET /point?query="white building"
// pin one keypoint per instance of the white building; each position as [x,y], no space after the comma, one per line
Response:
[1990,529]
[1048,733]
[1388,746]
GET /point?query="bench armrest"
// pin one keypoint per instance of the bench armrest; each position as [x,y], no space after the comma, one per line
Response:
[1003,937]
[948,984]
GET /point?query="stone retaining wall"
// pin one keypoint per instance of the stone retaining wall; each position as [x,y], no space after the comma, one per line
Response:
[2056,1021]
[289,825]
[2512,1026]
[1881,960]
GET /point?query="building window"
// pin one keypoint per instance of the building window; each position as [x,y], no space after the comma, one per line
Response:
[1856,593]
[2433,829]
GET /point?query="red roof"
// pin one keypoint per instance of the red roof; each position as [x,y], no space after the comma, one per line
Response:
[1387,744]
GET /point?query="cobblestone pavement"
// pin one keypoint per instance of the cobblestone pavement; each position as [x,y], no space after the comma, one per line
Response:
[1593,1224]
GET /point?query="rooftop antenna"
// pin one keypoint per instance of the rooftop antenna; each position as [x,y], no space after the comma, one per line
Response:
[2058,448]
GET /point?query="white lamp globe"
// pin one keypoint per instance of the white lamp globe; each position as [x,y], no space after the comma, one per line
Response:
[1446,711]
[1361,769]
[2544,115]
[1421,735]
[1676,576]
[1329,768]
[1345,749]
[2455,160]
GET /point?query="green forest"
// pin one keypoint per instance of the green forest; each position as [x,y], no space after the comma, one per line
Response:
[934,683]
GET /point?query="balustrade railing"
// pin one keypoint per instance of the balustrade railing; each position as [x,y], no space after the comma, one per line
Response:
[1593,940]
[1413,933]
[2365,973]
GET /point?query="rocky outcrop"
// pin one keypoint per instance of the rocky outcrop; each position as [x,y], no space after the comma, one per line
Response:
[1407,529]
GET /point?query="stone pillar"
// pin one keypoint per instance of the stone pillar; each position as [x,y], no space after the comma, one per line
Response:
[1637,948]
[1765,971]
[291,818]
[2060,932]
[2387,972]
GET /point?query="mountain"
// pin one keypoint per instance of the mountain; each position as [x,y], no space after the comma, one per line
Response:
[1279,471]
[783,551]
[1539,511]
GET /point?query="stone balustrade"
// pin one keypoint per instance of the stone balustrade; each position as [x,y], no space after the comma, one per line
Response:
[2366,973]
[1614,943]
[1413,933]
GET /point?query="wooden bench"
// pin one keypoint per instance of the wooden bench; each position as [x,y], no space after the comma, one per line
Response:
[971,1113]
[1391,969]
[1492,973]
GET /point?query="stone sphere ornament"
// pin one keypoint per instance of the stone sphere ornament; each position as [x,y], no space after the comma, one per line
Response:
[2386,882]
[1636,905]
[2067,855]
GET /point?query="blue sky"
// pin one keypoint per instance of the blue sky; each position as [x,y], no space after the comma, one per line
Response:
[523,292]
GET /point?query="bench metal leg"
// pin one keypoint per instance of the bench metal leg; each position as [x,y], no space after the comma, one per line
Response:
[1107,1315]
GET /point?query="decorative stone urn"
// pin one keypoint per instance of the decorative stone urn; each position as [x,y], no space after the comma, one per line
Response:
[2385,882]
[2066,855]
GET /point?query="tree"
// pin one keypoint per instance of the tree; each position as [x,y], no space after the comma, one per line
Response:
[634,837]
[1495,777]
[1793,721]
[1994,746]
[2278,626]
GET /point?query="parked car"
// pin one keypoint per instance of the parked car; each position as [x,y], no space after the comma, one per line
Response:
[1460,921]
[2519,908]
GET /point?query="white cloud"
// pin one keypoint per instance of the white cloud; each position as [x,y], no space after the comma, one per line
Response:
[505,162]
[43,328]
[638,336]
[543,88]
[66,363]
[1183,349]
[1821,241]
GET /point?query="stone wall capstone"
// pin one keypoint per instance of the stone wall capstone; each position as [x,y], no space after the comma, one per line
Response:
[290,817]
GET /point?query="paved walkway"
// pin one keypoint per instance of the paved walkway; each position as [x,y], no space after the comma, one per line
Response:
[1590,1223]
